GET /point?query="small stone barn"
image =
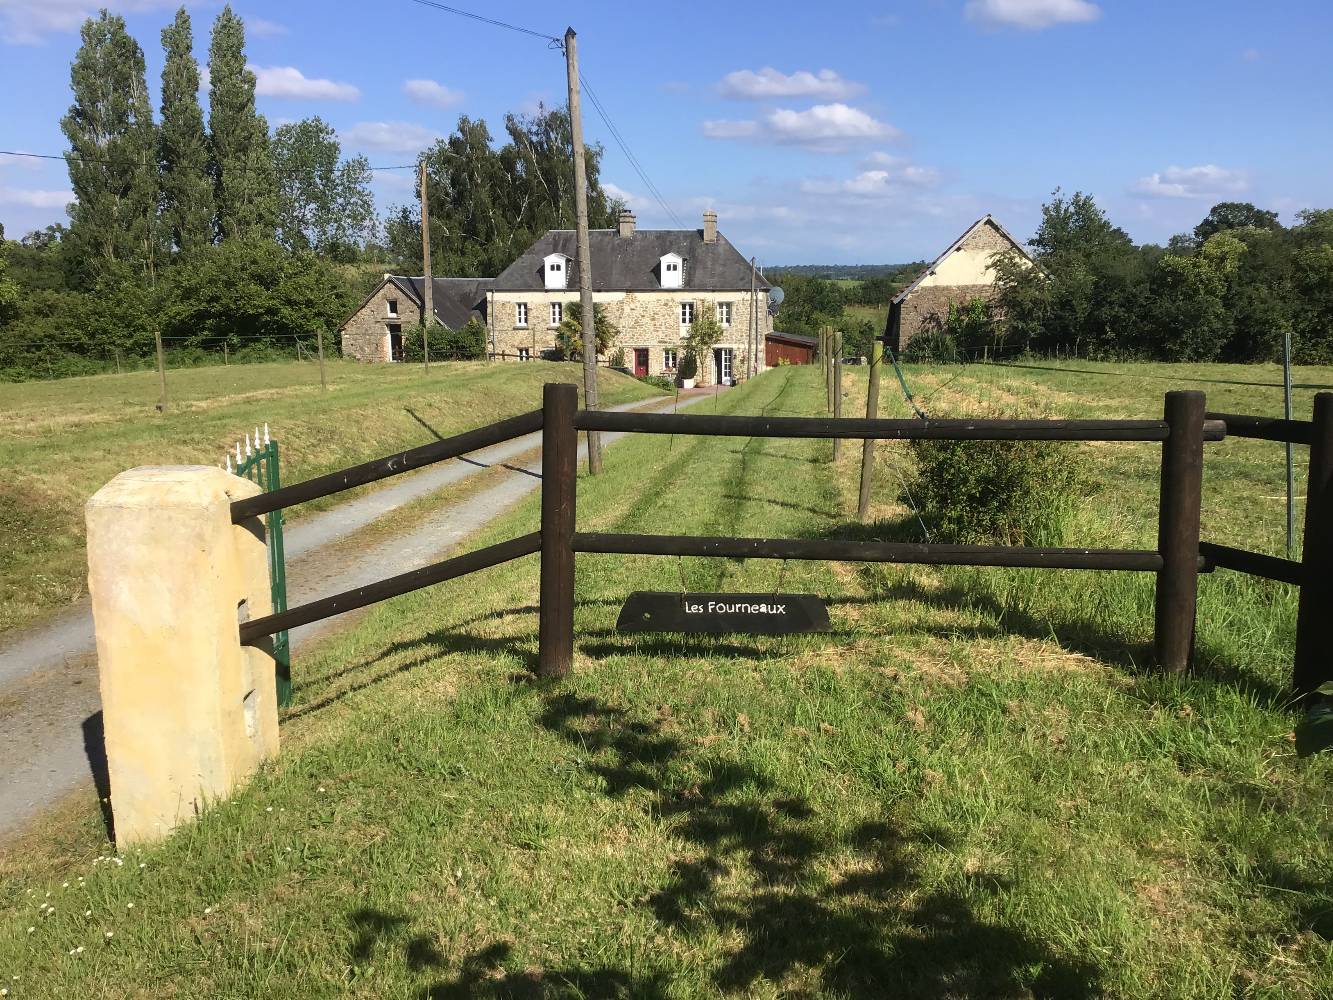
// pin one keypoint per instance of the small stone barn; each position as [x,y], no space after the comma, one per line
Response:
[959,275]
[374,332]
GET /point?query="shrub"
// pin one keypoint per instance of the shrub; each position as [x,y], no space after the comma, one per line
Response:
[689,366]
[994,492]
[931,345]
[617,358]
[658,381]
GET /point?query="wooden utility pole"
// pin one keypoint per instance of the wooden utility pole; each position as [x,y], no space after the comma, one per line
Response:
[427,286]
[161,372]
[323,382]
[868,445]
[585,261]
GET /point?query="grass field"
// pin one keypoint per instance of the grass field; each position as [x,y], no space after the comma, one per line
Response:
[969,787]
[62,440]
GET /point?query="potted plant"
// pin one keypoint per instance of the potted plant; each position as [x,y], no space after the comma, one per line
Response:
[689,367]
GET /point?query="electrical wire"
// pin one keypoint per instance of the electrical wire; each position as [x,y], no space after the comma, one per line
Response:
[491,21]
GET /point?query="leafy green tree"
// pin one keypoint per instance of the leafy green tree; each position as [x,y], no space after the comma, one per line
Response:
[245,184]
[569,334]
[9,292]
[324,202]
[705,334]
[1234,215]
[113,154]
[187,191]
[1189,310]
[1074,225]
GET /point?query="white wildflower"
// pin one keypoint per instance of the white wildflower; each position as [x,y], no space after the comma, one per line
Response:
[65,886]
[87,913]
[268,809]
[31,929]
[129,906]
[208,909]
[108,933]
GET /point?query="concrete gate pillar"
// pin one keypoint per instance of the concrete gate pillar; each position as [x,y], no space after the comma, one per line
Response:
[188,713]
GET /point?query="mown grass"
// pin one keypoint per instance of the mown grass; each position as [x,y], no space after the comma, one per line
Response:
[956,792]
[62,440]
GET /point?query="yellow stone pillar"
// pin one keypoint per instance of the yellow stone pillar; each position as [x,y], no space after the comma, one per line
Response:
[188,712]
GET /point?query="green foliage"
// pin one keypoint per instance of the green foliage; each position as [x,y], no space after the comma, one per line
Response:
[931,346]
[187,192]
[9,292]
[245,184]
[324,202]
[617,358]
[705,334]
[688,367]
[658,382]
[569,334]
[113,154]
[994,492]
[467,343]
[1228,215]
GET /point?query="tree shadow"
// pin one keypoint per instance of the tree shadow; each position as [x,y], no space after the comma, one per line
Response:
[482,975]
[792,893]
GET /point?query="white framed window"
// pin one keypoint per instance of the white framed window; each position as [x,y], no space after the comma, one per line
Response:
[557,313]
[669,359]
[725,357]
[524,354]
[686,313]
[392,305]
[724,314]
[520,314]
[672,266]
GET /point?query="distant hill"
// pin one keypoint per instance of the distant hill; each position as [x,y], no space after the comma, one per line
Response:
[848,272]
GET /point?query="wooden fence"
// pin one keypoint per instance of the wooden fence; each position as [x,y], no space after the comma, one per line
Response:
[1178,559]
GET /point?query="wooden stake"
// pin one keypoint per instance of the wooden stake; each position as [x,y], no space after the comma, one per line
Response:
[586,306]
[868,446]
[161,372]
[1178,530]
[427,285]
[1314,626]
[555,616]
[319,346]
[837,389]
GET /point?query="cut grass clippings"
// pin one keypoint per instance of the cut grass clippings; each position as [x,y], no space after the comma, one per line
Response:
[968,787]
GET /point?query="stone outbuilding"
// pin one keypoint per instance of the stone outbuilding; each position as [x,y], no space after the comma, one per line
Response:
[651,284]
[957,276]
[374,332]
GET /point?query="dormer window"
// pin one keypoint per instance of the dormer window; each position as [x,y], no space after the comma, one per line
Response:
[673,270]
[556,269]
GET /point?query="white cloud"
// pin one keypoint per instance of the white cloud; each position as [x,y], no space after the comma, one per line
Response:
[431,93]
[392,137]
[822,128]
[29,22]
[769,84]
[1207,181]
[615,191]
[263,28]
[290,82]
[35,199]
[1032,15]
[893,177]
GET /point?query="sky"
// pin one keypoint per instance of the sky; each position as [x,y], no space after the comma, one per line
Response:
[819,132]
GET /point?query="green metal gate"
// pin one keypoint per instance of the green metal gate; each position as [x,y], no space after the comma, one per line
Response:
[260,466]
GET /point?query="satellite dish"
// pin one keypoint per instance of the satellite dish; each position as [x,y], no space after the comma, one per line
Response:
[775,297]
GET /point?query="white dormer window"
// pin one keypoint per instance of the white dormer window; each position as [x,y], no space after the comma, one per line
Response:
[673,270]
[393,307]
[556,268]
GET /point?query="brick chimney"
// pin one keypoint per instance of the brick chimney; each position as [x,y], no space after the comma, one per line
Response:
[710,226]
[626,223]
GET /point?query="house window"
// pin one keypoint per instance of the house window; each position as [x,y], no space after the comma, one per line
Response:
[672,266]
[520,314]
[524,354]
[393,307]
[557,313]
[724,313]
[686,313]
[669,359]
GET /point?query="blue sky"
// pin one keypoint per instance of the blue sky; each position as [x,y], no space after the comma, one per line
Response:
[819,132]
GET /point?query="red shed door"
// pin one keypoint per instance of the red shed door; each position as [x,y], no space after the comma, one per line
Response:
[640,361]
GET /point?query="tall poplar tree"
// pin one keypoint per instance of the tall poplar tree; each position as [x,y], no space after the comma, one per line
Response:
[113,154]
[187,187]
[245,184]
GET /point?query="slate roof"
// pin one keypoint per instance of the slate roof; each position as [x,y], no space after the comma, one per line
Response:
[455,300]
[953,246]
[632,263]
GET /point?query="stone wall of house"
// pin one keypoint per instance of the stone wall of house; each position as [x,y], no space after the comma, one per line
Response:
[645,320]
[365,336]
[927,308]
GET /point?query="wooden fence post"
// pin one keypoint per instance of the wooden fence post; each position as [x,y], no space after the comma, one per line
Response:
[1178,530]
[837,388]
[1314,629]
[868,445]
[560,442]
[163,403]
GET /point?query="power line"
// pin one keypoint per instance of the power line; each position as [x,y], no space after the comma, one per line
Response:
[492,21]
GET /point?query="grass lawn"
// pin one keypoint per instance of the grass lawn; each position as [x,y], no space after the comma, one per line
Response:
[969,787]
[60,441]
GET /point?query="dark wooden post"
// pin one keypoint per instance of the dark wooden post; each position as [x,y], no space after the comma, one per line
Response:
[1314,619]
[560,443]
[1178,530]
[837,388]
[868,446]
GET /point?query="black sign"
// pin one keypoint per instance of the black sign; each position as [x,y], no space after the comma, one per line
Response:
[759,614]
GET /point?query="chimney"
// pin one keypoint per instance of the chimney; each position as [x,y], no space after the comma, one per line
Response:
[626,223]
[710,226]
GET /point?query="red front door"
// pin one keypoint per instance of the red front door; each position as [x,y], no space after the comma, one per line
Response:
[640,361]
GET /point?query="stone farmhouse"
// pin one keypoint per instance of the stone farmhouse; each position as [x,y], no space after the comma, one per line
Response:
[651,283]
[957,276]
[374,332]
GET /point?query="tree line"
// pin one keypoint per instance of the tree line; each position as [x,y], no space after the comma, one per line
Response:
[1229,291]
[222,235]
